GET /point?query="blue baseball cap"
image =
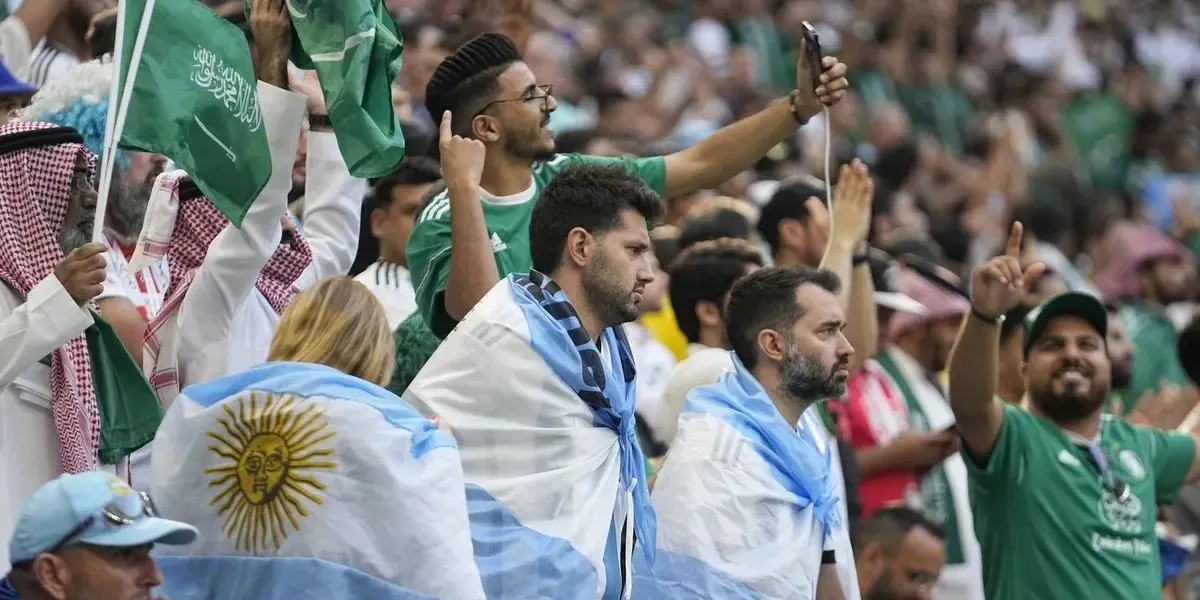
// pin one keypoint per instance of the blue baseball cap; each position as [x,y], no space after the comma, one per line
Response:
[93,508]
[11,86]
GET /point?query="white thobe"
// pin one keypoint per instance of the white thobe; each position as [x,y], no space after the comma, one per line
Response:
[225,324]
[392,284]
[30,329]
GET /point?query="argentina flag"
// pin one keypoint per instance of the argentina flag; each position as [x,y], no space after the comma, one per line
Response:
[307,483]
[543,418]
[745,508]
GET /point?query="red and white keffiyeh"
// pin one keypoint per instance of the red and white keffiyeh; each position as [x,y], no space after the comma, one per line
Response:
[35,189]
[193,225]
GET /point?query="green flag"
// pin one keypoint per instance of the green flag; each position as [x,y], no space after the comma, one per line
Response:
[195,100]
[355,48]
[129,411]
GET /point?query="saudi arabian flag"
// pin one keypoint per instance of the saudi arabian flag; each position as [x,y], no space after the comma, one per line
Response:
[355,48]
[194,99]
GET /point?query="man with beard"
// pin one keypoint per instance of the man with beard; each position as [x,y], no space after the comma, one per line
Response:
[900,555]
[49,418]
[80,100]
[745,499]
[1065,496]
[484,93]
[537,384]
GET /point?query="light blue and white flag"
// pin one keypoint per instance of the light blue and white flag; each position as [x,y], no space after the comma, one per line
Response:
[544,420]
[306,483]
[744,503]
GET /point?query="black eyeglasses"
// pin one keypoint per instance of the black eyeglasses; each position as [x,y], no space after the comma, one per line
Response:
[540,92]
[122,510]
[1100,459]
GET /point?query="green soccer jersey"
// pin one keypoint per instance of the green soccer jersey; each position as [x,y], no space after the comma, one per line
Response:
[1049,529]
[508,228]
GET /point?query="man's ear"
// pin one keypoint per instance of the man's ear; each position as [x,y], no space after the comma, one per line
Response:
[708,314]
[52,575]
[378,216]
[486,129]
[580,247]
[771,344]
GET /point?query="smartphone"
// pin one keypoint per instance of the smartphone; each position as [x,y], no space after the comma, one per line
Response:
[812,49]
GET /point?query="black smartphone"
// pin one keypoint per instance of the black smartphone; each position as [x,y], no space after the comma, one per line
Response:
[812,50]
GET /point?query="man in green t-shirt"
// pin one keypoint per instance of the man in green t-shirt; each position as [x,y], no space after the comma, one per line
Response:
[498,155]
[1064,497]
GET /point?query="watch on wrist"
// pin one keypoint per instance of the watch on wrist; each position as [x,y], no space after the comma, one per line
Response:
[862,257]
[793,97]
[319,123]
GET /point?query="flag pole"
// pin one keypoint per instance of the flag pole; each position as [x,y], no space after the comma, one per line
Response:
[118,106]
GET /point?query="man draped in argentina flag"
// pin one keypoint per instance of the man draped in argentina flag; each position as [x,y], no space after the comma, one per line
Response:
[537,385]
[745,502]
[308,479]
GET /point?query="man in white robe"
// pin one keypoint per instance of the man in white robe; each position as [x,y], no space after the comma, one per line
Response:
[228,285]
[537,385]
[49,420]
[746,503]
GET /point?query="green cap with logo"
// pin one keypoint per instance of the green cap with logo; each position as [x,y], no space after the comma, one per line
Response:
[1077,304]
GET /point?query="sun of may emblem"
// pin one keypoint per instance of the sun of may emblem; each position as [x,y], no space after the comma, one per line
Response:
[274,445]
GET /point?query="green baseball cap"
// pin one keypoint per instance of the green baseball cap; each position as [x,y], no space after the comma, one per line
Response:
[1078,304]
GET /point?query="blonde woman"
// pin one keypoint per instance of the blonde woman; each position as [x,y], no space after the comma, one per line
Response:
[308,462]
[338,323]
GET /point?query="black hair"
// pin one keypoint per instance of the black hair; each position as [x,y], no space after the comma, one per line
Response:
[103,34]
[766,299]
[413,170]
[890,525]
[588,196]
[705,273]
[786,203]
[468,79]
[896,164]
[712,225]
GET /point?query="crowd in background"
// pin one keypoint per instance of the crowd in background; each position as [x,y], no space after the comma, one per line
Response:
[1078,118]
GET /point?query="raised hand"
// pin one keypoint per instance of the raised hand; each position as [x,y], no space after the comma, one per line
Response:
[1165,409]
[852,205]
[462,158]
[310,86]
[82,272]
[1000,284]
[832,89]
[271,28]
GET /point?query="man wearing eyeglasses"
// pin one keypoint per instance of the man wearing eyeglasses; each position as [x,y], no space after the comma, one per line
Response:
[89,536]
[1064,497]
[498,154]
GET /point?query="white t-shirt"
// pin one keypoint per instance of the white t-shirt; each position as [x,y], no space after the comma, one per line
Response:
[392,284]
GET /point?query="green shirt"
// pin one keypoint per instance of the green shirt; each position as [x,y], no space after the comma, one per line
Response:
[1155,357]
[508,227]
[1049,529]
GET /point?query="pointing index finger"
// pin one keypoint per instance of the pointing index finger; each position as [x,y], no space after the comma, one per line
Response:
[445,127]
[1013,248]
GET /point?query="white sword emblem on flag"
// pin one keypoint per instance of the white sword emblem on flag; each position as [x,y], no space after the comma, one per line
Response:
[228,152]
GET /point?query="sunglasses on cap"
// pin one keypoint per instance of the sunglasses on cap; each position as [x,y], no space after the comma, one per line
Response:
[1115,486]
[122,510]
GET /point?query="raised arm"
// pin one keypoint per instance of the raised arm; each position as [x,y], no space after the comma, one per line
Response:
[24,29]
[236,256]
[334,197]
[851,222]
[736,147]
[472,265]
[997,287]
